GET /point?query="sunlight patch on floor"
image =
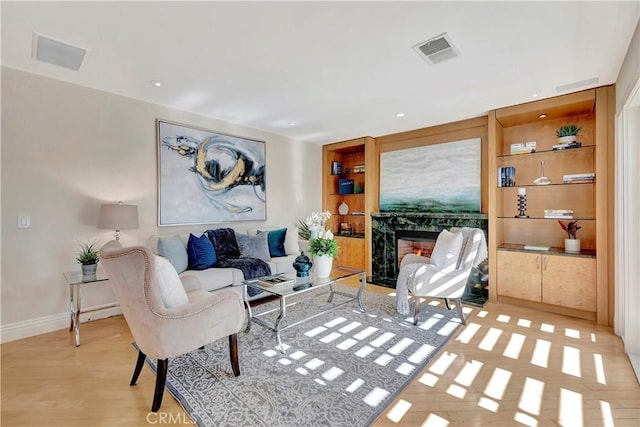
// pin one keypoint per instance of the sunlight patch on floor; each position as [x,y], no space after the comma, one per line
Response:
[571,361]
[599,365]
[490,339]
[531,397]
[468,373]
[498,383]
[398,410]
[456,391]
[540,355]
[376,397]
[572,333]
[515,346]
[570,411]
[434,420]
[443,362]
[607,415]
[468,333]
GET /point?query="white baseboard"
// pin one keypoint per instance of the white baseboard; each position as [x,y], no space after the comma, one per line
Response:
[43,325]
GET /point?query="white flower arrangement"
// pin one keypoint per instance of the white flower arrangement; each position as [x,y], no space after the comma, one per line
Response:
[317,220]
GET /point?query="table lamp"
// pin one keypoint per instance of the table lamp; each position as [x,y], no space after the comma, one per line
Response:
[118,217]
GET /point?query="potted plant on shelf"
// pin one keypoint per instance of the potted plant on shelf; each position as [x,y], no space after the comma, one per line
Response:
[572,244]
[88,257]
[568,133]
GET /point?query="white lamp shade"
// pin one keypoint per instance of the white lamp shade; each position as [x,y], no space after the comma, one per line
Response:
[118,217]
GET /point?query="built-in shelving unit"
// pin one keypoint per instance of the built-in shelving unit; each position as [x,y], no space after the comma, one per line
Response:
[353,155]
[554,280]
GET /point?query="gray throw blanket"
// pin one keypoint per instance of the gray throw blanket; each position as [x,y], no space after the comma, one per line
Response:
[228,254]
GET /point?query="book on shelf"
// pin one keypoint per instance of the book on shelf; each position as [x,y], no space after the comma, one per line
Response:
[568,146]
[558,213]
[277,280]
[507,176]
[523,147]
[579,178]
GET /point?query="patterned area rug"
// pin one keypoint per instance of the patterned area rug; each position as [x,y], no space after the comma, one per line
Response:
[340,369]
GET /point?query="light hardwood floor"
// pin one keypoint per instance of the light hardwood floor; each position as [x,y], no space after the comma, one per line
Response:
[508,366]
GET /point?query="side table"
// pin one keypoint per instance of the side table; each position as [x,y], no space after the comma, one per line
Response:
[75,280]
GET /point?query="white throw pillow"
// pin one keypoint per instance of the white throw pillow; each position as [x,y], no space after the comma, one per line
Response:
[447,250]
[171,289]
[291,246]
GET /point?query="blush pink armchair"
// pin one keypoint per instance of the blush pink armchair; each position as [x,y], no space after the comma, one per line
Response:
[167,317]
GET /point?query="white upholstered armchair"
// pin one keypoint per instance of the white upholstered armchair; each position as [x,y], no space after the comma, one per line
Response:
[445,274]
[166,319]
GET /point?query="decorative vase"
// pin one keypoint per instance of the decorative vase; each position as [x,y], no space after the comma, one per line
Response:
[572,246]
[567,139]
[322,265]
[302,265]
[343,209]
[89,269]
[314,232]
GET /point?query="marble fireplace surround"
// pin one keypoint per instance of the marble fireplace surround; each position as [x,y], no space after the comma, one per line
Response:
[383,242]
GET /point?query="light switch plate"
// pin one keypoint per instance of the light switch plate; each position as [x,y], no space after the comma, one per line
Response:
[24,221]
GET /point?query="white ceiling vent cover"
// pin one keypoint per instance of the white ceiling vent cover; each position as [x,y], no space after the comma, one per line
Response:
[437,49]
[55,52]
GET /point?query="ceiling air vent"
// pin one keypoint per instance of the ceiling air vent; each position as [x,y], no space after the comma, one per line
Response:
[437,49]
[57,53]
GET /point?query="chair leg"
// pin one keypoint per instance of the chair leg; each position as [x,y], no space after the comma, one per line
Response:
[161,379]
[446,303]
[233,354]
[416,309]
[138,369]
[460,313]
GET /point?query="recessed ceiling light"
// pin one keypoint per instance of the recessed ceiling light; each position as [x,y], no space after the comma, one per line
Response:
[399,114]
[156,83]
[535,95]
[542,116]
[292,124]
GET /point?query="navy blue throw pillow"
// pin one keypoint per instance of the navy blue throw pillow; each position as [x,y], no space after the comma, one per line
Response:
[275,239]
[201,253]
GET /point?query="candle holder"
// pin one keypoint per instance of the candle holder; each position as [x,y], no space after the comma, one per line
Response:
[522,206]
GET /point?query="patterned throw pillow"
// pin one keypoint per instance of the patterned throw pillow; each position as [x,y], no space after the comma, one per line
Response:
[275,239]
[254,246]
[201,252]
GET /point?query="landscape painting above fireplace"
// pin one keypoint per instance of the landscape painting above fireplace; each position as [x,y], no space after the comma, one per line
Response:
[432,178]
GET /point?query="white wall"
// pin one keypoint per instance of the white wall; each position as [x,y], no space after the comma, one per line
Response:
[65,150]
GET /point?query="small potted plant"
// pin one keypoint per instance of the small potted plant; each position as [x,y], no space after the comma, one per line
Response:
[323,249]
[567,133]
[88,257]
[571,244]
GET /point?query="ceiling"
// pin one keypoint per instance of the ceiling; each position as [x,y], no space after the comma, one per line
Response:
[327,71]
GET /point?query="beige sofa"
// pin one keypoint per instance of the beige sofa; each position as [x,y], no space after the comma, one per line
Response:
[212,279]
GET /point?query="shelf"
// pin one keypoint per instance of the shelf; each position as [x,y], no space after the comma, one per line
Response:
[548,185]
[585,253]
[547,219]
[544,152]
[351,236]
[348,194]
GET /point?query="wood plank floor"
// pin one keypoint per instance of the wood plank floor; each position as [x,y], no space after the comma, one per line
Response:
[508,366]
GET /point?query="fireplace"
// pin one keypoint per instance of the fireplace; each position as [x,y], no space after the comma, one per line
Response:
[388,227]
[414,242]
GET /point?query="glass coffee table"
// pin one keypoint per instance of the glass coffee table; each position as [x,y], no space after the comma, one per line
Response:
[304,287]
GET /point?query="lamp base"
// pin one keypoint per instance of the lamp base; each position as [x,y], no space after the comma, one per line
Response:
[521,216]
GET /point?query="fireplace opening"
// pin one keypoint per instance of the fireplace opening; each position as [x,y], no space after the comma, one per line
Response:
[414,242]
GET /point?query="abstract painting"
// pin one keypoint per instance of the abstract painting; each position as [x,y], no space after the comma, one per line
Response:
[206,177]
[432,178]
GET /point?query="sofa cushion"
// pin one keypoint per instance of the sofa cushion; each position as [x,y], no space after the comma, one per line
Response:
[446,250]
[201,253]
[291,239]
[254,246]
[174,250]
[214,278]
[225,243]
[276,239]
[171,290]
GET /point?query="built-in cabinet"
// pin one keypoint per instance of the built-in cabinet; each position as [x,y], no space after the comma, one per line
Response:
[552,280]
[348,172]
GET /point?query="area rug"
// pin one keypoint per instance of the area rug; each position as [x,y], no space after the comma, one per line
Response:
[340,369]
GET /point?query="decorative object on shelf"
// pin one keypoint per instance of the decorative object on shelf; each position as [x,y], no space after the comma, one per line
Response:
[118,217]
[302,265]
[542,180]
[567,133]
[336,168]
[507,177]
[522,203]
[346,229]
[358,168]
[345,186]
[358,189]
[343,209]
[572,244]
[88,257]
[579,178]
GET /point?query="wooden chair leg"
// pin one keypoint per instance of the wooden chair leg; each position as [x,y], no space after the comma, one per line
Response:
[161,379]
[416,309]
[460,313]
[138,369]
[233,354]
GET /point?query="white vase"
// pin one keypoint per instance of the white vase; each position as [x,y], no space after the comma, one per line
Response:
[314,232]
[322,265]
[567,139]
[572,246]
